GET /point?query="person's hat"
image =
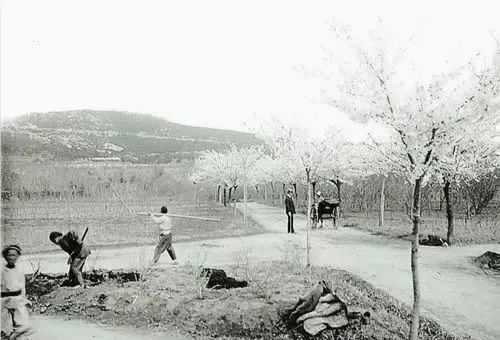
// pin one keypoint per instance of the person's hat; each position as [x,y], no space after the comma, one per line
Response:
[11,247]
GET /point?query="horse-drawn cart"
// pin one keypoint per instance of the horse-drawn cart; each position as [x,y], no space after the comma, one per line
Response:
[325,209]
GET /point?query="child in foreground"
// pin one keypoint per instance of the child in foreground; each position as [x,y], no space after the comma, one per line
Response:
[15,315]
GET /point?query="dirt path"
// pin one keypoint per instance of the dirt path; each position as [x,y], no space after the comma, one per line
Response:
[454,292]
[56,329]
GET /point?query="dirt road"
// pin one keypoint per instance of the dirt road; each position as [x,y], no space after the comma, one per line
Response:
[56,329]
[454,292]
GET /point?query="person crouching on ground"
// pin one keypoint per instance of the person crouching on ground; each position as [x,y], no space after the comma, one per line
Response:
[290,210]
[78,253]
[165,239]
[15,315]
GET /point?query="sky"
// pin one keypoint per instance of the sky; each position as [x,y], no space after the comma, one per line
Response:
[226,64]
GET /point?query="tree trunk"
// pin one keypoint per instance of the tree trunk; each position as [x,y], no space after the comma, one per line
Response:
[225,193]
[382,204]
[265,192]
[415,320]
[245,203]
[449,211]
[218,194]
[308,244]
[296,193]
[429,203]
[314,191]
[467,211]
[338,184]
[234,200]
[282,195]
[230,194]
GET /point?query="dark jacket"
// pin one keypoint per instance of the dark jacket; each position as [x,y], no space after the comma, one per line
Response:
[289,206]
[72,244]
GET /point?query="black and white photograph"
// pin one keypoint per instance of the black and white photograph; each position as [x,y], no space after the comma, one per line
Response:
[225,169]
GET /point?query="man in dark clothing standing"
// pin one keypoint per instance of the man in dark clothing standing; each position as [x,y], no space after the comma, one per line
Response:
[290,210]
[78,253]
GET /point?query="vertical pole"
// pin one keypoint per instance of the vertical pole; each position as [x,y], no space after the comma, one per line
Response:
[308,241]
[195,195]
[245,203]
[415,320]
[382,204]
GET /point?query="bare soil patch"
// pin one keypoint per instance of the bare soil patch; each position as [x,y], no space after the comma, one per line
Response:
[175,298]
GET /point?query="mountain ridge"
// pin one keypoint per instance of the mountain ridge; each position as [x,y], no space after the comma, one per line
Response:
[134,137]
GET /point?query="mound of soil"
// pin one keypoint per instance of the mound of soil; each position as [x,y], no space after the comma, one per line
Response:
[489,260]
[176,298]
[41,284]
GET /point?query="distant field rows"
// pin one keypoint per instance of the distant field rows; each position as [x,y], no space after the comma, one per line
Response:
[82,208]
[29,224]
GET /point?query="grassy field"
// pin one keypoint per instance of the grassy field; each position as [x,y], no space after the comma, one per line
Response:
[174,298]
[111,224]
[479,229]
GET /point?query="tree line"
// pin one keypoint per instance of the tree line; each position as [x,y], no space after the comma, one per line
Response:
[435,132]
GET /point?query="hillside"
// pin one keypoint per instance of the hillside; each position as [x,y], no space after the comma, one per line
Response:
[71,135]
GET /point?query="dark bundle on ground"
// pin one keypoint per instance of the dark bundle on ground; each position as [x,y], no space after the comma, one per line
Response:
[217,279]
[489,260]
[320,314]
[433,240]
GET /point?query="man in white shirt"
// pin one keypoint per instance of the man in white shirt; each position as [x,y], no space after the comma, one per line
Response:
[15,315]
[165,239]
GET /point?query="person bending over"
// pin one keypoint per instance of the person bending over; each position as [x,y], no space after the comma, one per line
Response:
[78,253]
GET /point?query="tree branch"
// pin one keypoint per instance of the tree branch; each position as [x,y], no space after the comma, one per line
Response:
[403,140]
[429,145]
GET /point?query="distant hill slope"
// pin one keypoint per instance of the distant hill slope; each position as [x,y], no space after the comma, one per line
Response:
[69,135]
